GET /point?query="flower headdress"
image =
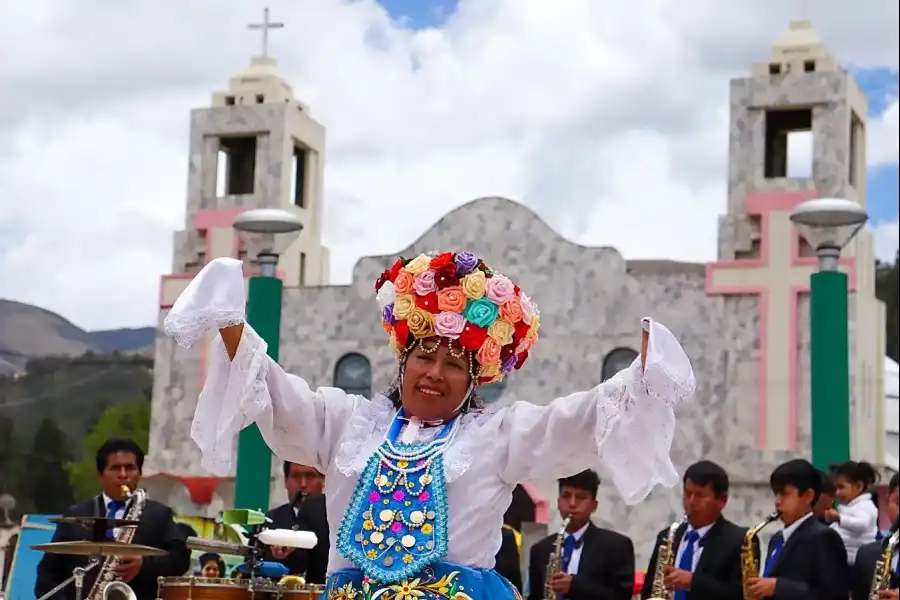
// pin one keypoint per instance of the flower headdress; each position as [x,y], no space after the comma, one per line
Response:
[457,296]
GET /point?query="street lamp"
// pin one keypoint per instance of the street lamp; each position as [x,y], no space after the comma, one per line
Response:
[828,224]
[268,231]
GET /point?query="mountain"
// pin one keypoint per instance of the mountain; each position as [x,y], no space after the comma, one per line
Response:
[28,332]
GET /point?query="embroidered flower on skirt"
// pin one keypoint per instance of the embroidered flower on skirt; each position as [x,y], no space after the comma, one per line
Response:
[397,521]
[443,581]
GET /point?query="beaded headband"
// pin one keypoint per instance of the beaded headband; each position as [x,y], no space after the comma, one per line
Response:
[457,296]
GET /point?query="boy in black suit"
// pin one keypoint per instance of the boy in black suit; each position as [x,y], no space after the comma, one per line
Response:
[806,560]
[868,555]
[596,564]
[119,462]
[708,547]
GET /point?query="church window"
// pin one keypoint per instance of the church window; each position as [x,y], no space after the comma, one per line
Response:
[302,269]
[618,359]
[298,174]
[229,100]
[855,165]
[774,69]
[491,392]
[789,143]
[809,66]
[353,374]
[260,98]
[236,168]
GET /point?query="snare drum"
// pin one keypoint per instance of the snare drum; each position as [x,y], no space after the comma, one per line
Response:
[203,588]
[290,590]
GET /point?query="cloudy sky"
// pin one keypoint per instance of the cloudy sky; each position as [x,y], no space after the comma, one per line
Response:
[608,118]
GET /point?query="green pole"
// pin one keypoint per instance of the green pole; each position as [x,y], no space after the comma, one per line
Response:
[830,368]
[251,486]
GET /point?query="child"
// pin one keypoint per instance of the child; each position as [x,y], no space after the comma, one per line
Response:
[856,517]
[806,560]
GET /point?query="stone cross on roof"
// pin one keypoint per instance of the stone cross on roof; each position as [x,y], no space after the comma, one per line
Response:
[265,26]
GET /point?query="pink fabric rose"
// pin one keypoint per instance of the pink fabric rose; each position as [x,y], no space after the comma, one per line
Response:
[500,290]
[396,527]
[374,497]
[424,496]
[399,495]
[449,324]
[424,283]
[527,308]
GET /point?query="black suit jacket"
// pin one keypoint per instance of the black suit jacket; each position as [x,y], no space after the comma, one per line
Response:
[812,564]
[311,516]
[864,569]
[157,528]
[605,571]
[507,560]
[718,572]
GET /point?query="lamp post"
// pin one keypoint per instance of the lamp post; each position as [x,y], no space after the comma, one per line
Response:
[269,231]
[828,224]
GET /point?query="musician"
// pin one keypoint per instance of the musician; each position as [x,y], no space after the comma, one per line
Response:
[304,512]
[868,555]
[596,564]
[211,565]
[508,562]
[119,462]
[708,547]
[806,560]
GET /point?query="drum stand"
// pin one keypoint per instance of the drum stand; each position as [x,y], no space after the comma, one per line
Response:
[78,574]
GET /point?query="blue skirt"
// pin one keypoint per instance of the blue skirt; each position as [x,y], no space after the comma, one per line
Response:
[441,581]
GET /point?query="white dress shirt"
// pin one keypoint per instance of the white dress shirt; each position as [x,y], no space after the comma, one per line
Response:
[698,549]
[494,449]
[575,559]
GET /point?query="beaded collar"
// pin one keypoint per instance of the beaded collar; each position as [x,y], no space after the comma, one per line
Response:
[396,524]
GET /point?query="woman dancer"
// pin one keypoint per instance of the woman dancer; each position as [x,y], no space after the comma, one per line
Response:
[418,479]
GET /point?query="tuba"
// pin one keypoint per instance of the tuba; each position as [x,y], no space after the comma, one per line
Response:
[555,562]
[106,586]
[881,580]
[665,557]
[749,563]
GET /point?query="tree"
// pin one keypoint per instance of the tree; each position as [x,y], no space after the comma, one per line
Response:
[887,289]
[129,420]
[49,486]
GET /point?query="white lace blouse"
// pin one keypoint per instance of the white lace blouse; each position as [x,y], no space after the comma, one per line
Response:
[495,448]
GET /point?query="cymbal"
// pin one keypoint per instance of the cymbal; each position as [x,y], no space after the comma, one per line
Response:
[217,546]
[94,522]
[108,548]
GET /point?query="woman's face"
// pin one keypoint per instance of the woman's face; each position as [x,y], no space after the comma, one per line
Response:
[210,569]
[436,379]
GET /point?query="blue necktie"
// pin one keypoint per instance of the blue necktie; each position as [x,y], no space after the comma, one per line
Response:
[111,510]
[686,563]
[568,550]
[777,545]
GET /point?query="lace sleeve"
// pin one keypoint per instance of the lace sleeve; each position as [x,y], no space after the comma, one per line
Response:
[627,423]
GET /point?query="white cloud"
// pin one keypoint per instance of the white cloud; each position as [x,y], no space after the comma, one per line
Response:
[884,136]
[607,118]
[886,236]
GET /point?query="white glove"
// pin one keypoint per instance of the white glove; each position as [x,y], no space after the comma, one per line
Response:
[215,298]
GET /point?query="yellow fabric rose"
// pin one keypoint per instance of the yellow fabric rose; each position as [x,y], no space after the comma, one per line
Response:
[473,285]
[403,305]
[535,325]
[420,323]
[490,370]
[501,331]
[418,264]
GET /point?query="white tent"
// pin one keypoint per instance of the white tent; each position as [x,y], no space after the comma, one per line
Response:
[891,414]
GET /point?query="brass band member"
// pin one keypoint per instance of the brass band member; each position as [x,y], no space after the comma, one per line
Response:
[119,462]
[806,560]
[304,511]
[868,555]
[596,564]
[708,546]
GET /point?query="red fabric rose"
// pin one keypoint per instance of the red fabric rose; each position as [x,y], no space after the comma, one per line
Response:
[520,330]
[402,332]
[472,337]
[428,302]
[507,351]
[445,276]
[396,269]
[522,358]
[441,260]
[382,279]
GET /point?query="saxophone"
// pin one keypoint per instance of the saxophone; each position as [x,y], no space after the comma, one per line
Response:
[665,557]
[749,563]
[882,578]
[106,586]
[555,563]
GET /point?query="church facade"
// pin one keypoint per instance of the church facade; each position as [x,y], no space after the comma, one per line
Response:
[743,318]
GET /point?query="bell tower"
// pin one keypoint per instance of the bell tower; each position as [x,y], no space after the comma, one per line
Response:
[800,92]
[256,146]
